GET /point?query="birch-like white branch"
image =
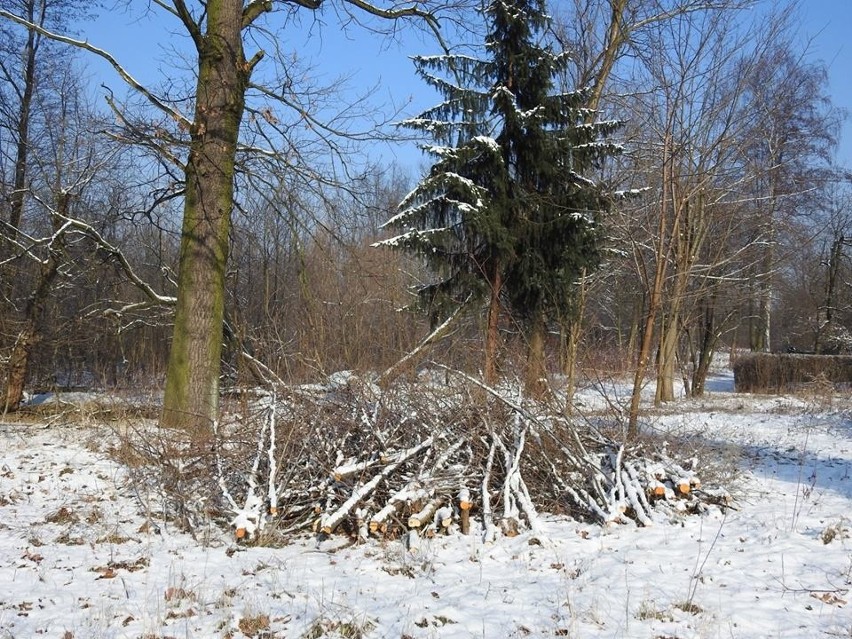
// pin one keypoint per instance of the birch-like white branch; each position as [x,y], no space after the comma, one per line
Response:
[332,521]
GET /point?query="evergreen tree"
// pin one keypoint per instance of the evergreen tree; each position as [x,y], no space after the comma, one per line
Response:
[456,217]
[512,214]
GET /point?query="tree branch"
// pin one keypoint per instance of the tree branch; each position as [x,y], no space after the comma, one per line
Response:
[393,14]
[143,138]
[83,44]
[257,8]
[182,12]
[431,338]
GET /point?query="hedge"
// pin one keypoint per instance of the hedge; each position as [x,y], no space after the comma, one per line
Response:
[778,372]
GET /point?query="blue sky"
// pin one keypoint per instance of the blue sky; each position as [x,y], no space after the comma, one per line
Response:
[140,43]
[826,26]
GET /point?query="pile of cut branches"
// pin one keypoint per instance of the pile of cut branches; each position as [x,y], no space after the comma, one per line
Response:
[420,458]
[426,458]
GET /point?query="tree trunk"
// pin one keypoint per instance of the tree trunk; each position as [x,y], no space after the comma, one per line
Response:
[19,359]
[572,344]
[535,382]
[635,327]
[28,338]
[492,335]
[617,34]
[833,267]
[655,294]
[762,331]
[654,303]
[192,380]
[762,336]
[667,362]
[705,352]
[31,333]
[755,334]
[16,207]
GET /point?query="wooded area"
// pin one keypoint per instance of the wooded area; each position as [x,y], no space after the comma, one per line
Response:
[727,136]
[627,188]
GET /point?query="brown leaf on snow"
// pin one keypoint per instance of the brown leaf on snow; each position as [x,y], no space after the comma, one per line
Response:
[62,516]
[829,598]
[109,571]
[32,556]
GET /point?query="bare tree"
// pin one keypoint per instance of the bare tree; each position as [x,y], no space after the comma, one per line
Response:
[64,164]
[700,67]
[813,281]
[793,138]
[599,35]
[24,60]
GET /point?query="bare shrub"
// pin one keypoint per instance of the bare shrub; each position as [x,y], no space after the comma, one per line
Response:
[604,362]
[172,474]
[323,308]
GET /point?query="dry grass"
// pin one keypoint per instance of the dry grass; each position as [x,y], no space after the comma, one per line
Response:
[349,629]
[253,625]
[64,516]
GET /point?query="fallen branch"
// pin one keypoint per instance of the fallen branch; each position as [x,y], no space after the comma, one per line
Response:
[426,514]
[430,339]
[489,531]
[410,493]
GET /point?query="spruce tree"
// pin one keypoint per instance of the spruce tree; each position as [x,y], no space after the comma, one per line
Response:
[508,209]
[456,217]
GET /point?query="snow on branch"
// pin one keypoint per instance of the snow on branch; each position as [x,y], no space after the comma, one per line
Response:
[412,458]
[331,521]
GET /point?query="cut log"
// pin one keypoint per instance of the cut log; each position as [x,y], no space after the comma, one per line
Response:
[351,468]
[465,504]
[444,519]
[361,525]
[378,527]
[412,492]
[464,517]
[425,516]
[656,490]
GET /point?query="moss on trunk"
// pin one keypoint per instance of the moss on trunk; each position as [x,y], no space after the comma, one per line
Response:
[192,379]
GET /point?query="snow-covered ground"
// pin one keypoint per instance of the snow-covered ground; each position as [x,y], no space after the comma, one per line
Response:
[79,561]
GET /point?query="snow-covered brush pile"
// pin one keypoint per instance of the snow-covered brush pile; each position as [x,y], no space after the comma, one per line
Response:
[412,459]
